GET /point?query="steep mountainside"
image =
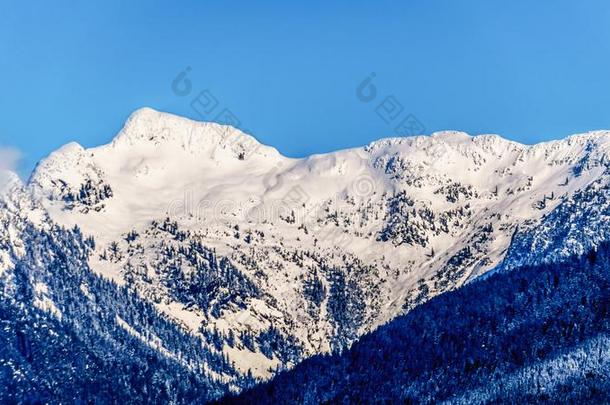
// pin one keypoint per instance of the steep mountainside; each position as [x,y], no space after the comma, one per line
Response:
[68,335]
[534,335]
[285,258]
[577,225]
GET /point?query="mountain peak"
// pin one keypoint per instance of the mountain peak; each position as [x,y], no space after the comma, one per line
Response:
[145,111]
[597,135]
[147,126]
[450,135]
[272,250]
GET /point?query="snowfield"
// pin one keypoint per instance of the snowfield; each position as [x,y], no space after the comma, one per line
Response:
[285,258]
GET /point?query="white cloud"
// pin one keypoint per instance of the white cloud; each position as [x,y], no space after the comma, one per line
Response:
[9,158]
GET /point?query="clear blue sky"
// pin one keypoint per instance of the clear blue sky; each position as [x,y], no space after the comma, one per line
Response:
[528,70]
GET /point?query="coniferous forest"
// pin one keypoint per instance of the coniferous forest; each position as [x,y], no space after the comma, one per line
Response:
[534,334]
[531,334]
[80,349]
[277,203]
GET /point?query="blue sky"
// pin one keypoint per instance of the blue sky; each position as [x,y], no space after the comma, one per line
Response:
[528,70]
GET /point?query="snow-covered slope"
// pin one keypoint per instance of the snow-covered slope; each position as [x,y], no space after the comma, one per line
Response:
[70,335]
[576,226]
[17,211]
[283,258]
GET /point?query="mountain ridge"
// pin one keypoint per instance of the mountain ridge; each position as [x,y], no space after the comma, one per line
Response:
[148,113]
[283,258]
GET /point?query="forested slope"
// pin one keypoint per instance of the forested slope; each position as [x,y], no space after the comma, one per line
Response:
[532,334]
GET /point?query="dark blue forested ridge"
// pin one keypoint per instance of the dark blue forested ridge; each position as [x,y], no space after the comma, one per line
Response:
[534,334]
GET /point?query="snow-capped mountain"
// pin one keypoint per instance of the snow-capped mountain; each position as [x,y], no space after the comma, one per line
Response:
[69,335]
[282,258]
